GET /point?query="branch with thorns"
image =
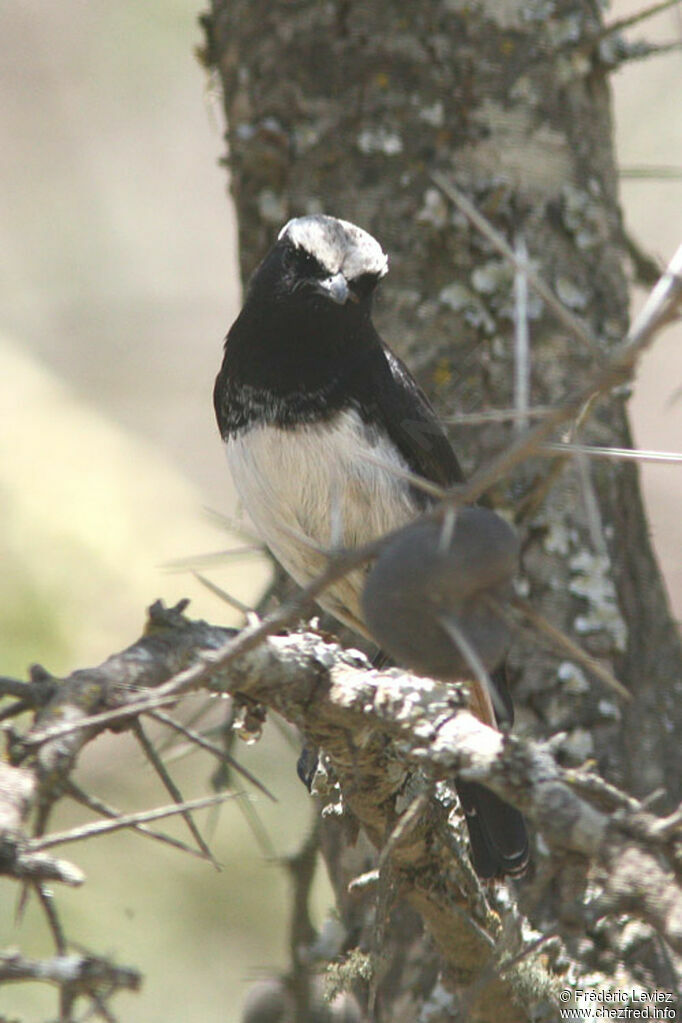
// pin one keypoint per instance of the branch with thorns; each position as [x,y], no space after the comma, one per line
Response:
[333,694]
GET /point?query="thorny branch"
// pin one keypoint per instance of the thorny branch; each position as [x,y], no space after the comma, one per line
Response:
[332,693]
[76,972]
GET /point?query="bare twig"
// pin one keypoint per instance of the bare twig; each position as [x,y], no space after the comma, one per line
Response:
[644,50]
[13,710]
[16,687]
[593,785]
[527,950]
[100,720]
[651,172]
[637,18]
[45,898]
[199,740]
[570,647]
[669,825]
[616,454]
[78,971]
[502,415]
[99,806]
[407,821]
[527,508]
[660,307]
[593,517]
[230,524]
[213,558]
[170,786]
[301,868]
[471,656]
[227,598]
[419,482]
[521,336]
[125,821]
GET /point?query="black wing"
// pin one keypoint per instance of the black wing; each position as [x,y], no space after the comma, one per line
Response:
[397,404]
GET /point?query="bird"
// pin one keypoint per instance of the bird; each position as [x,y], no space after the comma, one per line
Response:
[325,430]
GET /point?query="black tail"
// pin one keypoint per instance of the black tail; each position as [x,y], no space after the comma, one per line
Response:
[497,832]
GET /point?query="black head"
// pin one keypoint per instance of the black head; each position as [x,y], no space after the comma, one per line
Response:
[305,323]
[319,264]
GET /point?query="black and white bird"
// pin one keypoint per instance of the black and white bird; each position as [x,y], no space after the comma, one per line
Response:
[320,421]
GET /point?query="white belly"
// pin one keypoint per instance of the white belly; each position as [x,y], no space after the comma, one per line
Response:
[312,484]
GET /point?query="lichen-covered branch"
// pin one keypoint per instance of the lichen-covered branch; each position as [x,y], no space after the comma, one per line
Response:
[392,743]
[430,725]
[75,973]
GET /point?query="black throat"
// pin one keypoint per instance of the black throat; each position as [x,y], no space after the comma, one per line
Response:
[291,360]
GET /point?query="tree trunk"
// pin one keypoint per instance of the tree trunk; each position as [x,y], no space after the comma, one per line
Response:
[350,109]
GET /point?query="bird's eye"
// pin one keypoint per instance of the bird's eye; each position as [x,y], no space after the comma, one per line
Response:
[307,264]
[364,285]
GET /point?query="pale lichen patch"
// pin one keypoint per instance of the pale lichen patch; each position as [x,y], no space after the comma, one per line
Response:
[570,294]
[273,209]
[435,210]
[372,141]
[591,580]
[439,1005]
[461,299]
[531,157]
[573,678]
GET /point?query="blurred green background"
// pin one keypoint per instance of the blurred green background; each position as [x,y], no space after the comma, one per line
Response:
[118,281]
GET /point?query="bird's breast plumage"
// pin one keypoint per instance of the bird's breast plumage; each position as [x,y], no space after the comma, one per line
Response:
[310,488]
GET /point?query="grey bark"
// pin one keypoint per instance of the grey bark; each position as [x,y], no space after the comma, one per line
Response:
[349,108]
